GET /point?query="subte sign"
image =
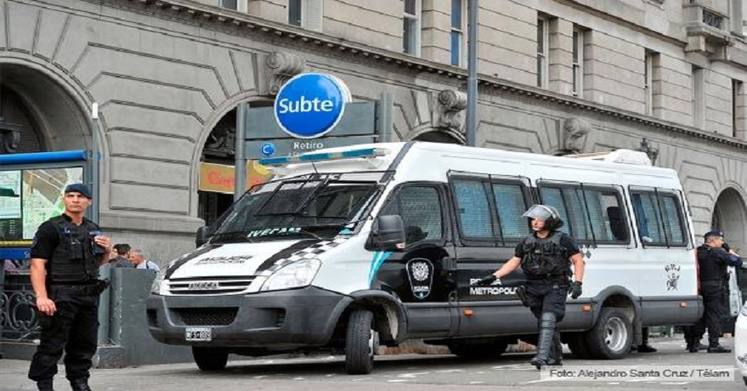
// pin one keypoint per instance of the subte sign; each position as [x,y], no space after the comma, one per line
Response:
[309,105]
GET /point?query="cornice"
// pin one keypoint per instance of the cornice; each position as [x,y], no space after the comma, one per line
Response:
[339,46]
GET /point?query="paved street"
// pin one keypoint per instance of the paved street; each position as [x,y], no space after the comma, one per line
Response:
[407,372]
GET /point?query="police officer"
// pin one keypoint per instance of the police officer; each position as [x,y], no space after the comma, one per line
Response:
[546,256]
[713,258]
[65,257]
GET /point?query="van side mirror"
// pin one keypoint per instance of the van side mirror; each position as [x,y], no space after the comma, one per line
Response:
[388,233]
[202,236]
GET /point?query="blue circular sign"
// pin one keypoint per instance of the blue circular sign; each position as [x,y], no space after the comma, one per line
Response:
[268,149]
[311,104]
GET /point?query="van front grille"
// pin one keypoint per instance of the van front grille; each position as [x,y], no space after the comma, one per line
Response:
[209,285]
[206,316]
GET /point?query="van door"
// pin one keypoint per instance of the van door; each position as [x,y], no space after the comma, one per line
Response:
[489,226]
[667,269]
[421,275]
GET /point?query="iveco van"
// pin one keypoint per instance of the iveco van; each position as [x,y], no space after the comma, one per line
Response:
[383,241]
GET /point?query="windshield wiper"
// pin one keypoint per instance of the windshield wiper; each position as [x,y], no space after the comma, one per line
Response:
[232,235]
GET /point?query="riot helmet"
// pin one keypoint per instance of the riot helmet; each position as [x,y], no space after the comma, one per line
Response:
[546,213]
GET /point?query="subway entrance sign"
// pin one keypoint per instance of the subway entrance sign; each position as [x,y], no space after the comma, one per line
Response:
[311,111]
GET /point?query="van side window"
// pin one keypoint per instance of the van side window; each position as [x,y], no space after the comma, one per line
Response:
[590,214]
[510,204]
[554,197]
[607,215]
[659,218]
[473,209]
[420,209]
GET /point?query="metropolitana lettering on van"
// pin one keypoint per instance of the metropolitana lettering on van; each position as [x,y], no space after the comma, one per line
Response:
[492,290]
[273,231]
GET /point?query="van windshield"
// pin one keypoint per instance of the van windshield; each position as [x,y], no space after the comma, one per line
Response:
[316,206]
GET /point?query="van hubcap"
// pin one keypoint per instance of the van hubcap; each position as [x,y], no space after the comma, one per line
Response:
[616,334]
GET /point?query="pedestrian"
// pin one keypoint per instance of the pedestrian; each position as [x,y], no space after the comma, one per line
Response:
[545,256]
[66,253]
[713,258]
[122,259]
[139,261]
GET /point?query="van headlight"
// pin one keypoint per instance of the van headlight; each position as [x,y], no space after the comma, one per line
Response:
[294,275]
[157,282]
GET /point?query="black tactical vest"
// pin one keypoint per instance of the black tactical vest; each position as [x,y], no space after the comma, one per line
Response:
[545,257]
[73,260]
[711,267]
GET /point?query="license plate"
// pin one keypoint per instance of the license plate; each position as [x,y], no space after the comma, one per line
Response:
[203,334]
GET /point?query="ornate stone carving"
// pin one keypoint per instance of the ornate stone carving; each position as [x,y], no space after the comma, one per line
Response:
[574,135]
[281,66]
[450,108]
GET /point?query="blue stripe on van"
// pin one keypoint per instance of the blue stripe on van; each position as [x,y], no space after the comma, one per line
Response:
[379,258]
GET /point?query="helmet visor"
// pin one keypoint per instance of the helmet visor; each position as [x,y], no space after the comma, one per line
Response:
[540,212]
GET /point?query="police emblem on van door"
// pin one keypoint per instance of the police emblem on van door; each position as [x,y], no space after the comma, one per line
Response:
[673,276]
[420,273]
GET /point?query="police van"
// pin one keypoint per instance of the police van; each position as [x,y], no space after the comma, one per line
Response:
[381,243]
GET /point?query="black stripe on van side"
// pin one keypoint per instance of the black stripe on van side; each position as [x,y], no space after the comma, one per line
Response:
[285,253]
[188,257]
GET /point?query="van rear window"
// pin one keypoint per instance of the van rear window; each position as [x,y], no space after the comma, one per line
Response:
[659,218]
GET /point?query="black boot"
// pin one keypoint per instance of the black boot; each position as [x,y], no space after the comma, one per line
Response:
[556,353]
[80,384]
[718,349]
[45,385]
[646,348]
[544,341]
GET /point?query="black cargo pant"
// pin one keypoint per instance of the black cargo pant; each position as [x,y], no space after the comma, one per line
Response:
[73,328]
[713,303]
[547,295]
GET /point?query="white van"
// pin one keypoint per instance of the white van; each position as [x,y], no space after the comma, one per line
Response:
[385,239]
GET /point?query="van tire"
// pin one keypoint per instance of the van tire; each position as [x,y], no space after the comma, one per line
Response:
[210,359]
[577,344]
[358,350]
[612,335]
[480,349]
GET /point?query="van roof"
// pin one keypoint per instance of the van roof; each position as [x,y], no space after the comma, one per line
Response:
[446,151]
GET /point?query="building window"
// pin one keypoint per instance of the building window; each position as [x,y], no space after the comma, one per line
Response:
[737,108]
[294,12]
[306,13]
[648,80]
[411,27]
[542,50]
[578,61]
[698,100]
[457,32]
[230,4]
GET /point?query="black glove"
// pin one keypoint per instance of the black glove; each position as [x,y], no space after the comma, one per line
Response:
[575,289]
[487,280]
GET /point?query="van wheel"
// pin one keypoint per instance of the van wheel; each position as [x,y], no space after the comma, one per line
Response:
[577,344]
[210,359]
[611,336]
[478,349]
[359,341]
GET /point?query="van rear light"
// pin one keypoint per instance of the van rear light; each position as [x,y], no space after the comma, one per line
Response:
[683,304]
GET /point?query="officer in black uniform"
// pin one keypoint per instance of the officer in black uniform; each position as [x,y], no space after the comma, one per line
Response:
[65,257]
[546,256]
[713,258]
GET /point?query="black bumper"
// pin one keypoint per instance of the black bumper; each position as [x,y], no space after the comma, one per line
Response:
[279,320]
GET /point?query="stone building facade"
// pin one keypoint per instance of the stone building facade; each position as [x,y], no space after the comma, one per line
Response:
[556,76]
